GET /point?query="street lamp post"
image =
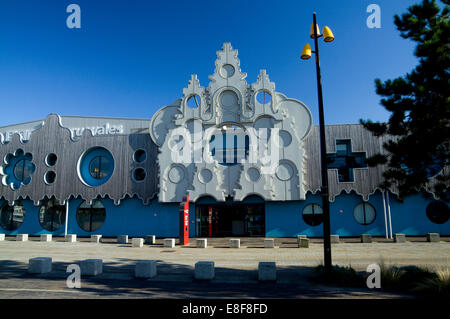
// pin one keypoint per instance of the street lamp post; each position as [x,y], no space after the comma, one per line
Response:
[306,54]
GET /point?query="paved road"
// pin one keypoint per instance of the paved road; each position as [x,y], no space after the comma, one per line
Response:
[236,269]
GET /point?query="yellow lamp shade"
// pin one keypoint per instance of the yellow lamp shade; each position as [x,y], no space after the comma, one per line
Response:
[327,34]
[306,52]
[311,34]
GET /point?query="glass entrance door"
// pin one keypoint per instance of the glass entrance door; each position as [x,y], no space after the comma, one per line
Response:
[224,220]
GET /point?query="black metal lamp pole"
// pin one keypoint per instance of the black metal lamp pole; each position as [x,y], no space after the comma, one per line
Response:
[323,160]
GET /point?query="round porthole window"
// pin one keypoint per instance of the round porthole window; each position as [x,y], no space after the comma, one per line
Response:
[51,159]
[364,214]
[52,215]
[263,97]
[91,217]
[50,177]
[139,156]
[139,174]
[227,71]
[438,212]
[96,166]
[313,214]
[11,217]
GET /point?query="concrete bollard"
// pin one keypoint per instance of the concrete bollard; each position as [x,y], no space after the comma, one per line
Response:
[145,269]
[269,243]
[96,238]
[169,242]
[366,238]
[399,238]
[235,243]
[39,265]
[267,271]
[46,237]
[334,239]
[204,270]
[303,243]
[122,239]
[71,238]
[2,237]
[150,239]
[137,242]
[202,243]
[22,237]
[433,238]
[91,267]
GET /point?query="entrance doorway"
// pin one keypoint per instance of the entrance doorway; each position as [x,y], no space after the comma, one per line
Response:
[225,220]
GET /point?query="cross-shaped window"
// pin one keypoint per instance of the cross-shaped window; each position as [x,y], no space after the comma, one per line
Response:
[344,160]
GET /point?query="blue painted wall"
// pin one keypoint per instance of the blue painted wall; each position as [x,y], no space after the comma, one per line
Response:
[410,217]
[131,218]
[283,219]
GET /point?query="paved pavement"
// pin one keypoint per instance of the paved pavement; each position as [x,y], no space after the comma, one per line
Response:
[236,269]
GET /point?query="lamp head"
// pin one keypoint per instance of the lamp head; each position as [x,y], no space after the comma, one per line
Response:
[327,34]
[306,52]
[311,33]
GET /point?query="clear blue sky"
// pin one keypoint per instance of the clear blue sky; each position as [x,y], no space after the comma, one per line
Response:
[132,57]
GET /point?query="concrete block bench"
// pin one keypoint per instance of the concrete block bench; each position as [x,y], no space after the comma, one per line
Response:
[71,238]
[39,265]
[269,243]
[137,242]
[169,242]
[145,269]
[150,239]
[46,237]
[2,237]
[267,271]
[96,238]
[22,237]
[334,239]
[204,270]
[433,238]
[399,238]
[303,243]
[91,267]
[122,239]
[235,243]
[202,243]
[366,238]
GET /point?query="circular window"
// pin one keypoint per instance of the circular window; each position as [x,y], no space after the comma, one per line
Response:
[96,166]
[227,71]
[364,214]
[253,174]
[91,217]
[284,171]
[205,176]
[176,174]
[438,212]
[11,217]
[263,97]
[193,101]
[139,174]
[50,177]
[52,215]
[23,170]
[51,159]
[313,214]
[285,137]
[139,156]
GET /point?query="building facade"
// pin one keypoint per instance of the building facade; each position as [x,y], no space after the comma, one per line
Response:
[247,156]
